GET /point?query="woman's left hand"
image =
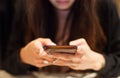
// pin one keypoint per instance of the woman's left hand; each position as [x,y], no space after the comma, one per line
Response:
[84,58]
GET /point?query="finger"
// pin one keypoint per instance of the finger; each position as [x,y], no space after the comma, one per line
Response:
[74,67]
[80,50]
[75,60]
[68,63]
[78,67]
[69,58]
[42,63]
[62,56]
[77,42]
[60,62]
[45,57]
[39,48]
[40,42]
[46,41]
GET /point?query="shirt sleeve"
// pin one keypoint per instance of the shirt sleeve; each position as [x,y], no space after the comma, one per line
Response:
[111,24]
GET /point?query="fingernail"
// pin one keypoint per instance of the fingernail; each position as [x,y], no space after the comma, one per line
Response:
[42,52]
[53,44]
[79,47]
[49,55]
[45,62]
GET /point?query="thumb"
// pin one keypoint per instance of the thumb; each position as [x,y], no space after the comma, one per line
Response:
[46,41]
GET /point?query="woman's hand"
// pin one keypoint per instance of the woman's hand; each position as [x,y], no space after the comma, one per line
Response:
[84,59]
[34,54]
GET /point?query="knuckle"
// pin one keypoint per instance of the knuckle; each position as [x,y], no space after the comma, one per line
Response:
[38,39]
[83,39]
[47,39]
[71,42]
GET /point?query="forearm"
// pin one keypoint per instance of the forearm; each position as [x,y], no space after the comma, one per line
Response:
[13,65]
[112,66]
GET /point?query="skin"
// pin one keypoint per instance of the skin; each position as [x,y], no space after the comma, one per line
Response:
[85,58]
[62,4]
[34,54]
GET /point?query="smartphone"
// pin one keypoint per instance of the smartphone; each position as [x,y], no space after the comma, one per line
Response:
[60,49]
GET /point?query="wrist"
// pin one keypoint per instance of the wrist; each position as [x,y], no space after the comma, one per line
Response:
[100,63]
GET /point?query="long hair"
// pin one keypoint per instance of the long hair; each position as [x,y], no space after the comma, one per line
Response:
[41,21]
[2,5]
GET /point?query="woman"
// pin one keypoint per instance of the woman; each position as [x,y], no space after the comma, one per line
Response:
[91,25]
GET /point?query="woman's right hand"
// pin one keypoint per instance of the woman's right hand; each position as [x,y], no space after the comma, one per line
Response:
[34,54]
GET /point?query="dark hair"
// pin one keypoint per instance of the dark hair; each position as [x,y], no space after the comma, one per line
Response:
[41,19]
[2,5]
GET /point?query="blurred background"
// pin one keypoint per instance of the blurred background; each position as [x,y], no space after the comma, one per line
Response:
[118,5]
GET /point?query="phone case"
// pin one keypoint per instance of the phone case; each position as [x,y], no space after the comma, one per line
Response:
[60,49]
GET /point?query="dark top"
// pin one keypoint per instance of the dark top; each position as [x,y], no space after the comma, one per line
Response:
[111,25]
[6,15]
